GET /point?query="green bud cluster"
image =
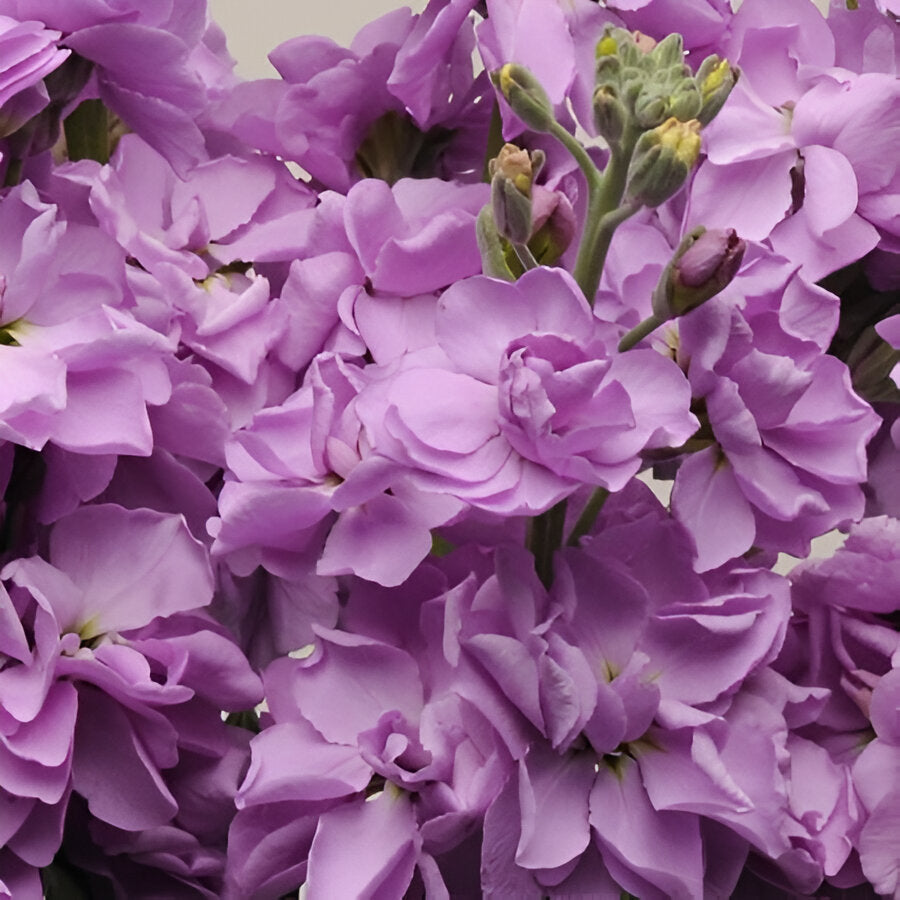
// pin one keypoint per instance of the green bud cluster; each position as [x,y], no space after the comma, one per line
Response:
[650,107]
[647,83]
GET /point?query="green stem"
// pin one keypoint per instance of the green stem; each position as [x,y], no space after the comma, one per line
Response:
[601,204]
[588,516]
[87,132]
[605,194]
[545,535]
[639,332]
[580,155]
[526,257]
[13,173]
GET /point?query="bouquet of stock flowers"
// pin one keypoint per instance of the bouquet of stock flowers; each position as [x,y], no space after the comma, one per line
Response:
[397,455]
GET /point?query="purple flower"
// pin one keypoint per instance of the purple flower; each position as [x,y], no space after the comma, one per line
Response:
[29,52]
[817,155]
[417,236]
[565,402]
[402,761]
[85,371]
[402,101]
[642,742]
[783,453]
[303,467]
[89,709]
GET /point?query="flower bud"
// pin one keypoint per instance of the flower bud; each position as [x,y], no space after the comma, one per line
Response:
[554,226]
[662,161]
[525,96]
[608,71]
[668,52]
[685,103]
[703,265]
[715,79]
[610,115]
[512,174]
[607,46]
[650,109]
[643,42]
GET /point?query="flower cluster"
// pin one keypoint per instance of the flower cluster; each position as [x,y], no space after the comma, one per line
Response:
[397,456]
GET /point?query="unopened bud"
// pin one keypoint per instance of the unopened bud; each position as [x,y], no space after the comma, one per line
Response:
[610,115]
[512,175]
[554,227]
[525,96]
[703,265]
[493,257]
[650,109]
[606,46]
[662,161]
[715,79]
[669,51]
[685,104]
[644,43]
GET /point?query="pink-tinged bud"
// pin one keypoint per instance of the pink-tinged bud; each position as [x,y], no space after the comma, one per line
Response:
[512,175]
[704,264]
[713,259]
[554,225]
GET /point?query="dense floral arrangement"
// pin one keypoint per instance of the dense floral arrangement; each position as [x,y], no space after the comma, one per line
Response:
[325,562]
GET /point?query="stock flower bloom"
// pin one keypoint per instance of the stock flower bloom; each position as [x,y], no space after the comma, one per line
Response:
[401,101]
[90,684]
[539,402]
[839,643]
[782,452]
[302,467]
[160,218]
[85,371]
[616,713]
[29,52]
[145,62]
[815,138]
[403,766]
[416,236]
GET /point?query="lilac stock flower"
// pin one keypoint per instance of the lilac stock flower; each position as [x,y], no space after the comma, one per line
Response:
[404,767]
[89,710]
[826,195]
[282,492]
[781,470]
[607,673]
[402,234]
[851,654]
[531,404]
[86,370]
[387,107]
[259,422]
[30,52]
